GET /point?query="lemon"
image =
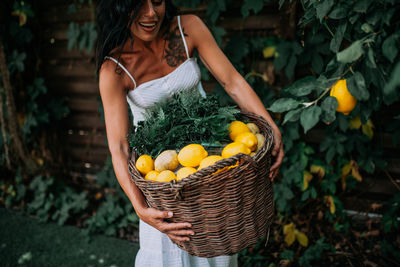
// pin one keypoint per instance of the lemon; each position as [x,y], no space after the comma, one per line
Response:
[234,148]
[260,141]
[165,176]
[144,164]
[167,160]
[151,175]
[269,51]
[208,161]
[253,128]
[191,155]
[184,172]
[346,102]
[236,128]
[248,139]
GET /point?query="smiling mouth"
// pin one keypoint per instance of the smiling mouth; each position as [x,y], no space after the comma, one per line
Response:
[148,25]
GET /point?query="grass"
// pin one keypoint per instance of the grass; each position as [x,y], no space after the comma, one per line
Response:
[26,242]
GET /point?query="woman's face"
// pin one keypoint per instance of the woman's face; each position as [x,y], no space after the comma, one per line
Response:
[147,23]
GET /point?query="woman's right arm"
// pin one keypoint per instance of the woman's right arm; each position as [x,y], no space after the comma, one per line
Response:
[113,96]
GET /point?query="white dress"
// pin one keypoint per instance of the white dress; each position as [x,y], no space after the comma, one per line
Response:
[156,249]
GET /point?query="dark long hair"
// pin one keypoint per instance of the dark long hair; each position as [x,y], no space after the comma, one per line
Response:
[113,18]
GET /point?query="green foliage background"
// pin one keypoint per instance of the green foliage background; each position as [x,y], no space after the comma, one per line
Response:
[335,39]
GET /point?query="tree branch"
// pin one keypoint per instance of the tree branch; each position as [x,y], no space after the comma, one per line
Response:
[11,110]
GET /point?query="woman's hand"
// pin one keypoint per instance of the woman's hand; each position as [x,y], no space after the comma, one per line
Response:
[178,232]
[277,152]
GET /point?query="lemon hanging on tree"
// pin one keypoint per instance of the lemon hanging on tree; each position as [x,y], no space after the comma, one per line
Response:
[346,102]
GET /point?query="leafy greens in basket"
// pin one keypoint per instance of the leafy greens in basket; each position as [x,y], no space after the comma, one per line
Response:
[186,117]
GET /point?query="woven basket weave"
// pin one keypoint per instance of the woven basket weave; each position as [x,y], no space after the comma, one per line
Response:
[229,211]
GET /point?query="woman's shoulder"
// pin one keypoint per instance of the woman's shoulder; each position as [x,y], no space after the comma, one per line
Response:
[194,26]
[108,74]
[190,20]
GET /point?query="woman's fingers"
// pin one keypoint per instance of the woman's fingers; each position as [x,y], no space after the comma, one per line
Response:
[278,161]
[177,228]
[178,238]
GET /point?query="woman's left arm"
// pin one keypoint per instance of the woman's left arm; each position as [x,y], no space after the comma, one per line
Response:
[231,80]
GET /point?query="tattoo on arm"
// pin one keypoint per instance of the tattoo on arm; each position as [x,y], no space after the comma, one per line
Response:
[175,51]
[208,67]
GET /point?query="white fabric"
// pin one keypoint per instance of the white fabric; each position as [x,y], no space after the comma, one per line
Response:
[156,249]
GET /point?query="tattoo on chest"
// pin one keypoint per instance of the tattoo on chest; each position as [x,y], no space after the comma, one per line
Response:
[175,51]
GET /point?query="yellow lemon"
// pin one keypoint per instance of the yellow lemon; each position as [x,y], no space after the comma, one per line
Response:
[208,161]
[269,51]
[253,128]
[236,128]
[260,141]
[191,155]
[184,172]
[165,176]
[248,139]
[151,175]
[144,164]
[346,102]
[233,149]
[167,160]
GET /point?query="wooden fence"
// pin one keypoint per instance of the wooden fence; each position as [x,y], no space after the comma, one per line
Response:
[71,74]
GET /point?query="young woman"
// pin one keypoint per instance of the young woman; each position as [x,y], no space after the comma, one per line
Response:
[144,54]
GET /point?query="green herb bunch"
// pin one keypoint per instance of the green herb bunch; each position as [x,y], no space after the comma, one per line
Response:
[186,117]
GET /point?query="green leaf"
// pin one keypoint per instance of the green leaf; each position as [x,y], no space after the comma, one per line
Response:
[255,5]
[329,106]
[284,104]
[214,9]
[310,117]
[351,53]
[391,91]
[218,33]
[371,59]
[362,5]
[357,87]
[287,255]
[390,47]
[72,35]
[323,8]
[366,28]
[303,86]
[339,12]
[292,115]
[317,63]
[289,71]
[337,39]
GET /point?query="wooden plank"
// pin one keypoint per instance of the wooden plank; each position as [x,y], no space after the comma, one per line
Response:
[83,121]
[95,141]
[92,155]
[53,15]
[73,86]
[71,68]
[251,23]
[83,104]
[58,49]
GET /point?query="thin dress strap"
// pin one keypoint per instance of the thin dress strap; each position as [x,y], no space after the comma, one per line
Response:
[183,37]
[122,66]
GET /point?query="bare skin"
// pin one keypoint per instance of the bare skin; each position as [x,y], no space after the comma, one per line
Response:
[153,55]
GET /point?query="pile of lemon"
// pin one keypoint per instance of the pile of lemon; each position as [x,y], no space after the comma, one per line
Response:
[170,165]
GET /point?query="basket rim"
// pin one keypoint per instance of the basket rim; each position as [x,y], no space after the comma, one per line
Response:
[208,171]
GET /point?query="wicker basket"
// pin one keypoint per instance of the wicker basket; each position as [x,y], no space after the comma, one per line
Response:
[229,211]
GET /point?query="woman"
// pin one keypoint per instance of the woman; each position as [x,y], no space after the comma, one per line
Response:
[144,55]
